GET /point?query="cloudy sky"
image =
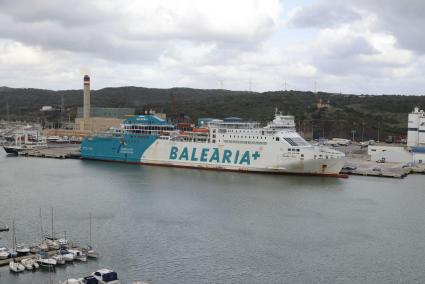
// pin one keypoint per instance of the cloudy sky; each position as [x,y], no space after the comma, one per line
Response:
[349,46]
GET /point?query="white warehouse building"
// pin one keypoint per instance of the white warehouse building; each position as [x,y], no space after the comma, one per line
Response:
[415,150]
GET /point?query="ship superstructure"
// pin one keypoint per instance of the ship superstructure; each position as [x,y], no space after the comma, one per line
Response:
[220,145]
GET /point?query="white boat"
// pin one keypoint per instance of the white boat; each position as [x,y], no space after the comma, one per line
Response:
[22,249]
[30,264]
[3,227]
[73,281]
[78,255]
[67,255]
[104,276]
[63,243]
[46,262]
[16,266]
[89,251]
[52,244]
[53,138]
[4,253]
[12,252]
[59,259]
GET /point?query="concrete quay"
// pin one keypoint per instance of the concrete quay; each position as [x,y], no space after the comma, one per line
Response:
[358,163]
[60,151]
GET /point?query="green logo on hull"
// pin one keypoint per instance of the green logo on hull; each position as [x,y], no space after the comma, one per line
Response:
[214,155]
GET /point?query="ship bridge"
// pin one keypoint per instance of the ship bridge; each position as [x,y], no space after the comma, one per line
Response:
[146,124]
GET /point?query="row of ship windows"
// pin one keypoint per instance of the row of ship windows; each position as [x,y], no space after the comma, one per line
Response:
[144,127]
[249,137]
[241,131]
[244,142]
[186,139]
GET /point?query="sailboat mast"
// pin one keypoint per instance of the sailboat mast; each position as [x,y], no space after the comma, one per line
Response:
[52,222]
[90,229]
[41,226]
[13,236]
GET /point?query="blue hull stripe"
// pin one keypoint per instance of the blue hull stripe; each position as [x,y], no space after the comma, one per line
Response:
[127,148]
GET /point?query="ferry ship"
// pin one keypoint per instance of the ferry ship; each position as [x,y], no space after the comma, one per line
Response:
[231,145]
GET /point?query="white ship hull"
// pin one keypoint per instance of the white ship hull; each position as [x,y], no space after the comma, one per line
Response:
[269,160]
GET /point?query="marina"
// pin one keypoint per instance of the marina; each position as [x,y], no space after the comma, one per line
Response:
[167,225]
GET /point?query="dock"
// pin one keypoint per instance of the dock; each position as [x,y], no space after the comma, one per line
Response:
[5,262]
[359,163]
[68,151]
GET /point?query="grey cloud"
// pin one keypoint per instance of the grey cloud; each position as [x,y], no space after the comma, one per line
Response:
[343,58]
[323,14]
[351,47]
[82,26]
[403,19]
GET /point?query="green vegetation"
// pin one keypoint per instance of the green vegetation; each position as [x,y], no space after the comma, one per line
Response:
[362,113]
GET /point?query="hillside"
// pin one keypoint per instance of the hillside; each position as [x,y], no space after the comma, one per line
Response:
[362,113]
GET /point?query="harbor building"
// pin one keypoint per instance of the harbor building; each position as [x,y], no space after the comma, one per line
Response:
[415,150]
[416,129]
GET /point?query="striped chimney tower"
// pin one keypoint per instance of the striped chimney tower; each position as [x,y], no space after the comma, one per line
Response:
[86,96]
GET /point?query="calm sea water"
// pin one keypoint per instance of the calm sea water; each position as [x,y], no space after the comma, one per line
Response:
[165,225]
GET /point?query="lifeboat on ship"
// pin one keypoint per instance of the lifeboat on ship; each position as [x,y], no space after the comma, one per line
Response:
[200,130]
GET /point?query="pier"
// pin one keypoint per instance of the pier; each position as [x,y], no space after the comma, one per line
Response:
[65,151]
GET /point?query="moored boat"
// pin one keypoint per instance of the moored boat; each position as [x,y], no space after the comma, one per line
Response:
[22,249]
[59,259]
[4,253]
[106,276]
[29,263]
[45,261]
[229,144]
[73,281]
[3,227]
[16,266]
[78,255]
[67,255]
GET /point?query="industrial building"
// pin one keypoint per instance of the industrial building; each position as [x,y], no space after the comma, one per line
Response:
[98,119]
[92,120]
[415,150]
[107,112]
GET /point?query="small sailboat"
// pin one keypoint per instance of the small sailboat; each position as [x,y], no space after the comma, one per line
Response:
[66,255]
[22,249]
[16,266]
[4,253]
[30,264]
[89,251]
[3,227]
[13,264]
[59,259]
[45,261]
[78,255]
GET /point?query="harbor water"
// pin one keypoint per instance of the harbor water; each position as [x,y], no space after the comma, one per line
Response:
[169,225]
